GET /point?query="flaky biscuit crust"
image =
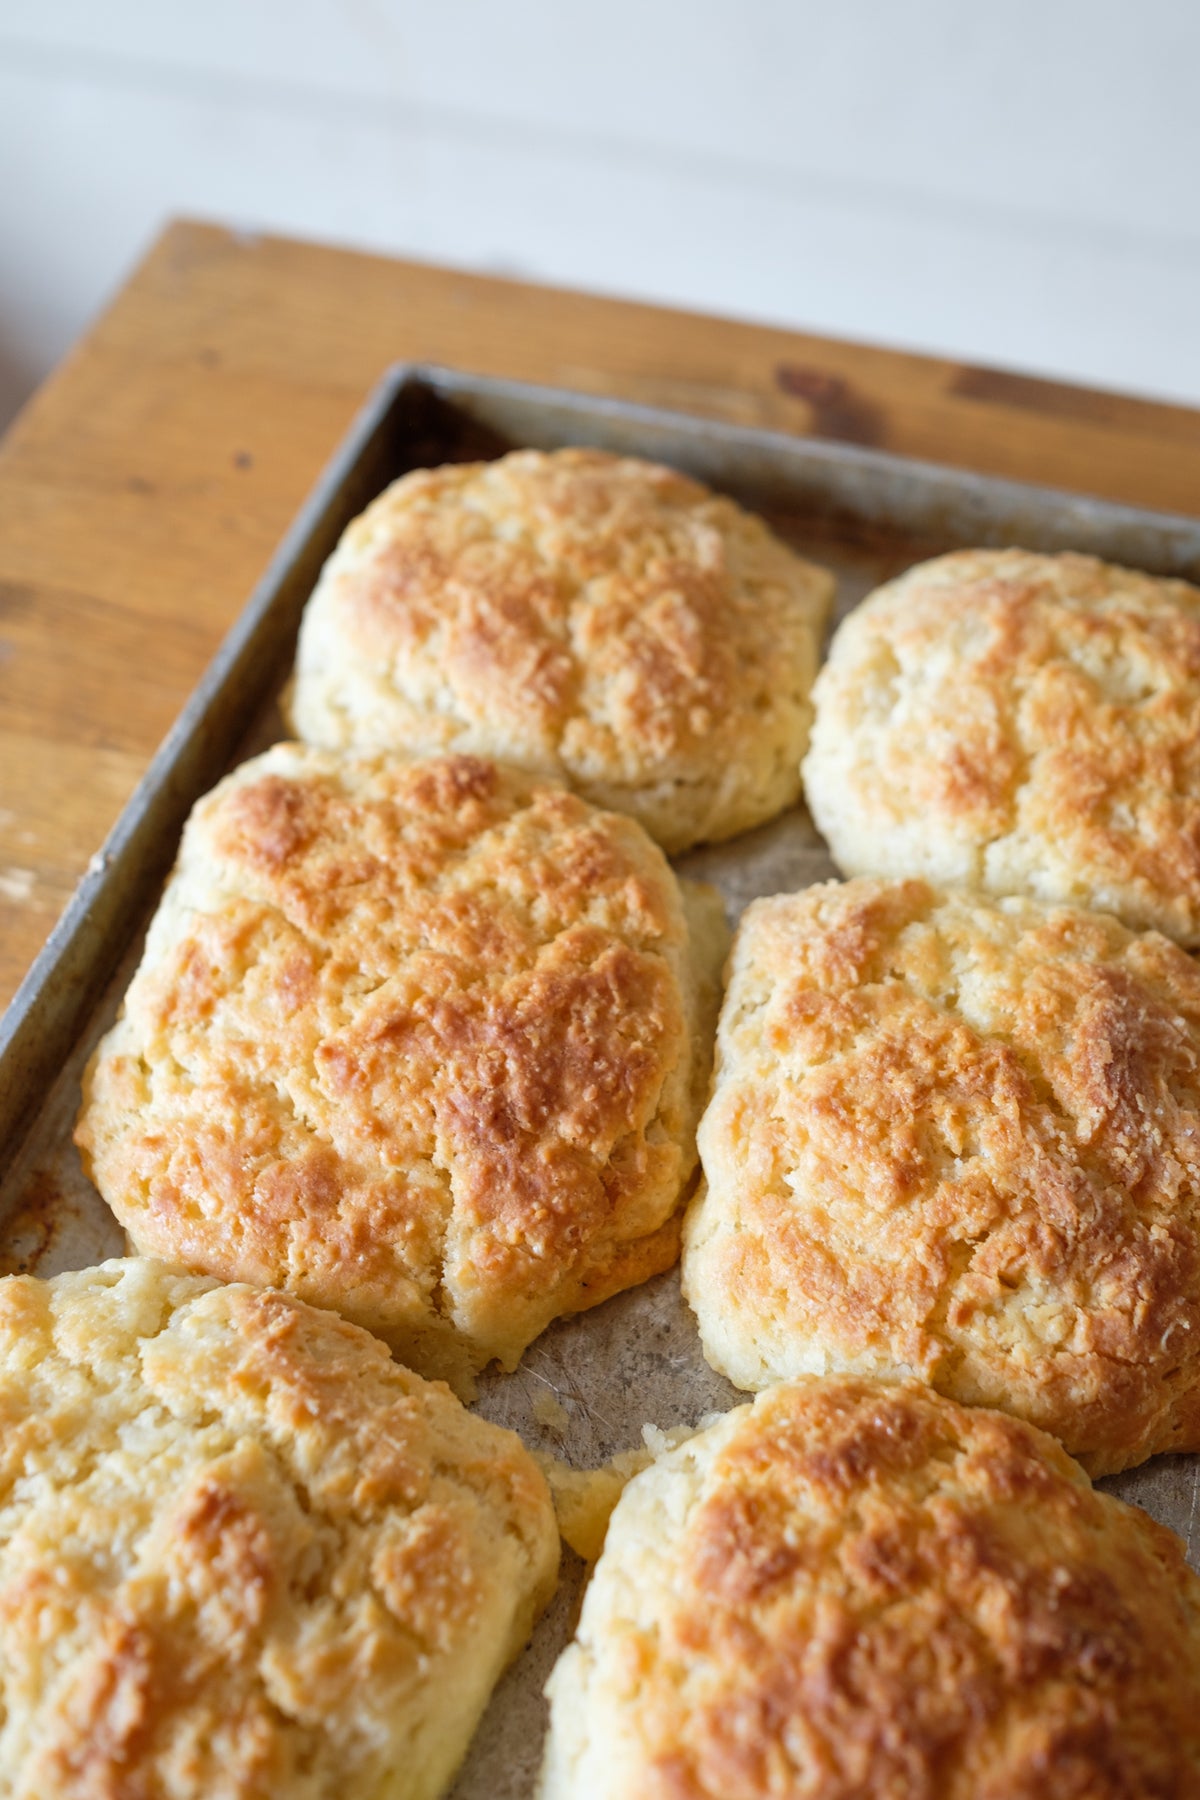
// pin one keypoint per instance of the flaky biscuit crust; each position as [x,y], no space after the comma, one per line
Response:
[595,617]
[959,1139]
[243,1554]
[861,1591]
[419,1042]
[1019,723]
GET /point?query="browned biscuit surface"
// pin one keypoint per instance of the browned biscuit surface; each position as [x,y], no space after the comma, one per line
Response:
[594,617]
[420,1042]
[861,1591]
[243,1554]
[959,1139]
[1019,724]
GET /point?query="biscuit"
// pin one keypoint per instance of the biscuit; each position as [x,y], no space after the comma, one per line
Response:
[1019,724]
[593,617]
[854,1590]
[242,1552]
[959,1139]
[420,1042]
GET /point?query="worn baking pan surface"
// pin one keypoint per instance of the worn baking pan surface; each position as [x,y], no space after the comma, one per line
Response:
[586,1388]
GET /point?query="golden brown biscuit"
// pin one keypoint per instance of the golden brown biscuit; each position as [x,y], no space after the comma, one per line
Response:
[589,616]
[959,1139]
[244,1554]
[420,1042]
[854,1590]
[1020,724]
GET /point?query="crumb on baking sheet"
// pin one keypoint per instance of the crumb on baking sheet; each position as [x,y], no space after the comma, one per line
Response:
[584,1498]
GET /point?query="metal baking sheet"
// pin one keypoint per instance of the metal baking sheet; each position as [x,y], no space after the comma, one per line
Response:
[588,1385]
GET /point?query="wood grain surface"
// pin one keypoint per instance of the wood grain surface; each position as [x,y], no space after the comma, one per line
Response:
[146,484]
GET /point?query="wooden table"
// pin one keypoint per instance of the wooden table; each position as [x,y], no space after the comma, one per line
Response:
[143,489]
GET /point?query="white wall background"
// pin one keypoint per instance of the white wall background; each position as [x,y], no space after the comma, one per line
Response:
[1017,183]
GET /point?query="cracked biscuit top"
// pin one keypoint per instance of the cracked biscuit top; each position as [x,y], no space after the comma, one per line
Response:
[858,1590]
[959,1139]
[243,1553]
[594,617]
[1020,724]
[420,1042]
